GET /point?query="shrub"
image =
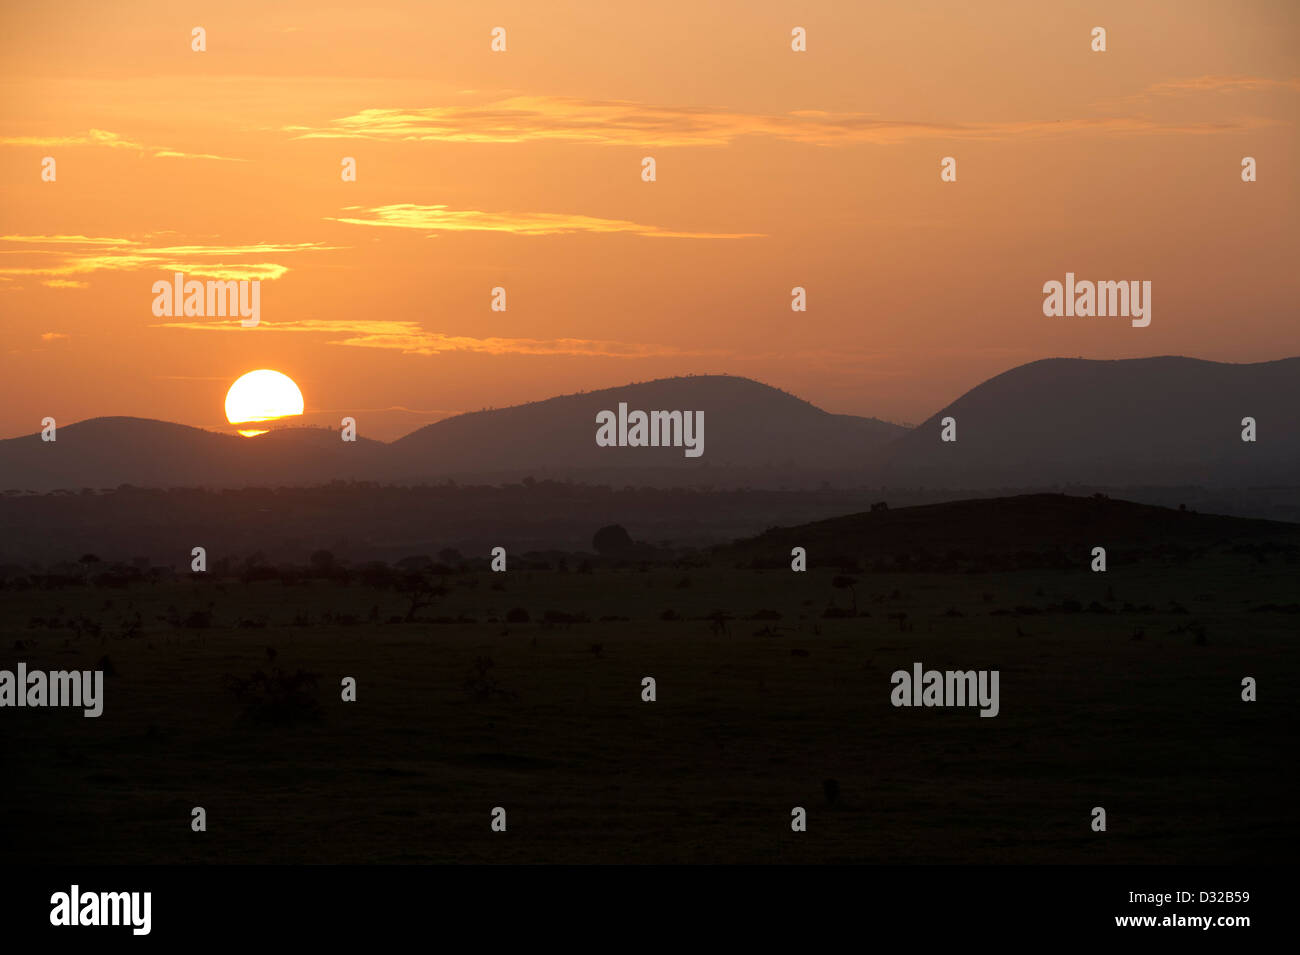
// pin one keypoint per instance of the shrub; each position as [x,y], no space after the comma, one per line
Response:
[612,540]
[277,698]
[481,686]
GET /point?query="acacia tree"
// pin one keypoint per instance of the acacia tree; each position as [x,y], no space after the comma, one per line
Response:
[420,589]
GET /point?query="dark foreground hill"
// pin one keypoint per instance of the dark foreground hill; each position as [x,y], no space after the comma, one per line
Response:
[360,522]
[1033,529]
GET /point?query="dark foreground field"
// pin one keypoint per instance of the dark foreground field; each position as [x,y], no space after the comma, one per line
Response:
[1120,690]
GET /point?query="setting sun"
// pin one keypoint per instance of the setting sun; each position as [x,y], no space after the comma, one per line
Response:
[262,395]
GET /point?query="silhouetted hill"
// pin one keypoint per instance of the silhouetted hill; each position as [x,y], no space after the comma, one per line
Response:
[748,426]
[1163,421]
[968,534]
[752,434]
[108,452]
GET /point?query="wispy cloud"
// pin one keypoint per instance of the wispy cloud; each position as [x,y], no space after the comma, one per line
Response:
[1217,85]
[55,258]
[439,218]
[54,337]
[410,338]
[85,240]
[1222,84]
[520,119]
[102,137]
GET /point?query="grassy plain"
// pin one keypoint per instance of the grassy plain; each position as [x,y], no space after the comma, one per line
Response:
[1137,710]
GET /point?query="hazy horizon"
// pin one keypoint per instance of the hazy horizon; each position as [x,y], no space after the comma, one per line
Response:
[383,424]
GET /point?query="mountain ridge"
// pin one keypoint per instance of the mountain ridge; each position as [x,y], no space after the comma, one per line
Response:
[1163,421]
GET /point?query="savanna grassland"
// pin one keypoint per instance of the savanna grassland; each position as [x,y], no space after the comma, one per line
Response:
[1119,689]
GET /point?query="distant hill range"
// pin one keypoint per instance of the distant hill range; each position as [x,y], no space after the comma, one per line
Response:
[1156,421]
[1159,421]
[753,433]
[108,452]
[750,430]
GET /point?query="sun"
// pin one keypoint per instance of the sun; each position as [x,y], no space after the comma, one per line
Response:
[262,395]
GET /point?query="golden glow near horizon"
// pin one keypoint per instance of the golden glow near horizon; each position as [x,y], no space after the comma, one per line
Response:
[262,395]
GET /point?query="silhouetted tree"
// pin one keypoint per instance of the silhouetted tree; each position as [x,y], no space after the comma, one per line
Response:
[612,540]
[421,591]
[322,563]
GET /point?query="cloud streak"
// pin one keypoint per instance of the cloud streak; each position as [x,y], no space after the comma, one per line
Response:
[439,218]
[102,137]
[1209,85]
[77,255]
[410,338]
[532,119]
[1222,84]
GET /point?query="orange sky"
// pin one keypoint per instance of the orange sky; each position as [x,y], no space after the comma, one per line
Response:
[522,169]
